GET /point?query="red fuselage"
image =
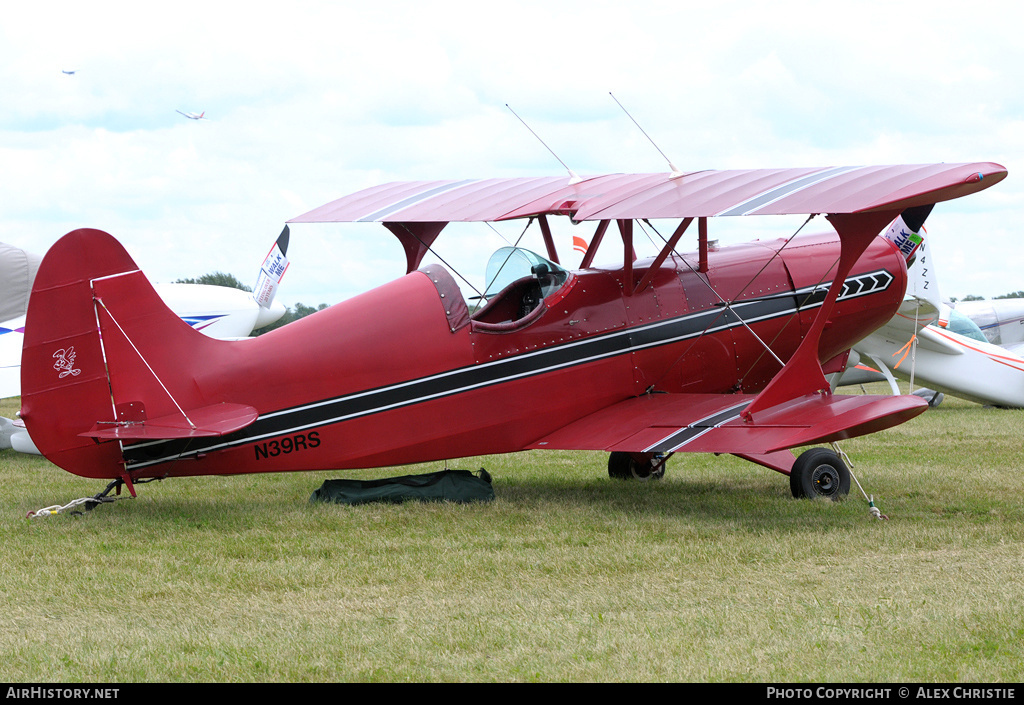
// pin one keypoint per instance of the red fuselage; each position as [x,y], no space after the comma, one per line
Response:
[403,374]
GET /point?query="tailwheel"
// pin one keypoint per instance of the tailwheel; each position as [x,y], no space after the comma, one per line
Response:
[819,472]
[627,466]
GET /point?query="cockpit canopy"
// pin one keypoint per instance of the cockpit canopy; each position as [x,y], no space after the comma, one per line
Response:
[962,325]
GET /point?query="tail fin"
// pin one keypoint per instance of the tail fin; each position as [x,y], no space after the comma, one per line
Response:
[908,234]
[271,273]
[105,361]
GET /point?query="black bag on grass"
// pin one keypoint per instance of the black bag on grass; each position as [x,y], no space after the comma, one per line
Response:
[445,485]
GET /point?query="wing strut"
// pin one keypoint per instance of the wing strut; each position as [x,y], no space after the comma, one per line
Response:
[670,246]
[549,242]
[628,253]
[702,245]
[595,242]
[416,239]
[626,231]
[803,375]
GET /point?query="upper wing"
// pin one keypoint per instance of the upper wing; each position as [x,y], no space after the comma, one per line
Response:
[698,194]
[716,423]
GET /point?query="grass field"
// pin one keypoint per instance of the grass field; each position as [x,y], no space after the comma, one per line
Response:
[713,574]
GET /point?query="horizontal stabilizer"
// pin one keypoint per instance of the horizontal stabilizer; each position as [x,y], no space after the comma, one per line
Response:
[213,420]
[715,423]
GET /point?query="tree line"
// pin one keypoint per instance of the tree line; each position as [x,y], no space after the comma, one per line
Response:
[1011,295]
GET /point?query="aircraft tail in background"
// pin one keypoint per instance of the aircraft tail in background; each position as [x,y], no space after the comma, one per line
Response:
[228,313]
[271,272]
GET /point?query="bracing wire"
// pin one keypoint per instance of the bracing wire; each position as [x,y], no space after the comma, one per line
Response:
[728,304]
[146,363]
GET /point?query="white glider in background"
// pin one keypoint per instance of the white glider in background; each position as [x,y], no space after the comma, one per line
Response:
[929,343]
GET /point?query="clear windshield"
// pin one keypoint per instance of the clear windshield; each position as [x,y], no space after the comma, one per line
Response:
[510,264]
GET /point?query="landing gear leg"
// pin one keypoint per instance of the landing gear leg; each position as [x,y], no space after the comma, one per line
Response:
[637,466]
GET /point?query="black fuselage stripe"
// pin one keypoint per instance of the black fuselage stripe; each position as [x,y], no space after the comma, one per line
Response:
[624,341]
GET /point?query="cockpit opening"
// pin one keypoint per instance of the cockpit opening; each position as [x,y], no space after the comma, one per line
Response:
[518,281]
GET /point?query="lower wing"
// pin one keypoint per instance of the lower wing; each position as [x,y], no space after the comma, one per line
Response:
[717,423]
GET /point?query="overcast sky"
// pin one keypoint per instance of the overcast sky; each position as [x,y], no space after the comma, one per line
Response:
[309,101]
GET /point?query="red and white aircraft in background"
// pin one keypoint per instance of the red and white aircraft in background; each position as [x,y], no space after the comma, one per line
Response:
[721,351]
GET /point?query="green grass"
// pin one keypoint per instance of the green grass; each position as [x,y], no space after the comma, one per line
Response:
[713,574]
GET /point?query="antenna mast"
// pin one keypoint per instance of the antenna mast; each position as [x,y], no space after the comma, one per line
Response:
[573,177]
[676,173]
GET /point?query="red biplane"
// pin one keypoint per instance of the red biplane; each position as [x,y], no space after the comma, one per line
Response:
[722,351]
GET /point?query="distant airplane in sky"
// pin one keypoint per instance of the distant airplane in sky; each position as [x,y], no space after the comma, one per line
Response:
[193,116]
[69,73]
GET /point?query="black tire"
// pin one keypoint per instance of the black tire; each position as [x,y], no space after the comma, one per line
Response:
[820,473]
[622,466]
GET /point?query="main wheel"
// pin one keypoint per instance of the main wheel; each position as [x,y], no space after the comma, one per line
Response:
[623,466]
[819,472]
